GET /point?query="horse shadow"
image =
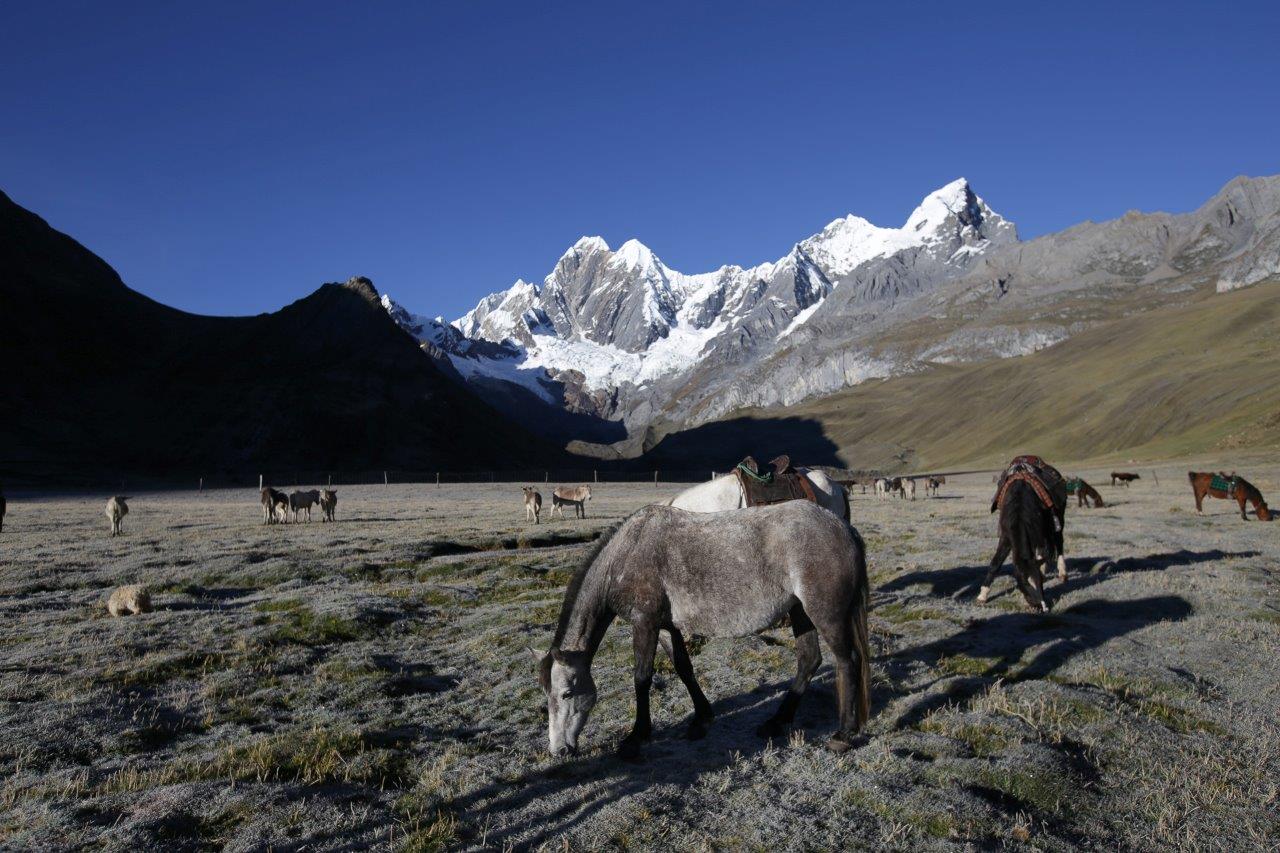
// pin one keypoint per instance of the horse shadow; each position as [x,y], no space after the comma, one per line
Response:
[668,760]
[1006,639]
[1082,572]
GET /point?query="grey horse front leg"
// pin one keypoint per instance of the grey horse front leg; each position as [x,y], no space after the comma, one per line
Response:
[644,643]
[808,657]
[702,713]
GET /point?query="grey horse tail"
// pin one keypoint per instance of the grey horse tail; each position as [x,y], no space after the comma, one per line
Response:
[861,640]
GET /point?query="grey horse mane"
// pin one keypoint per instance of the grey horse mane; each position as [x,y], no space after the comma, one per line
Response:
[575,583]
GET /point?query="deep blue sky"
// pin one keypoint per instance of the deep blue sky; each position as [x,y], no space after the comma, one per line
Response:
[230,160]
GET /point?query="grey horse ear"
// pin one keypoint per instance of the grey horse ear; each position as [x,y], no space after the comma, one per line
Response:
[537,655]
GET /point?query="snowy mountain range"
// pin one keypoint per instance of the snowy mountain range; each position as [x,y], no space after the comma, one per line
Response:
[633,348]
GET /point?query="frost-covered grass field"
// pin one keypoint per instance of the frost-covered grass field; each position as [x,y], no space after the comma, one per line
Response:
[366,683]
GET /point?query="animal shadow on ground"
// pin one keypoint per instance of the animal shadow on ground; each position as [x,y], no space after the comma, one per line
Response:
[409,679]
[667,760]
[1007,638]
[221,598]
[966,580]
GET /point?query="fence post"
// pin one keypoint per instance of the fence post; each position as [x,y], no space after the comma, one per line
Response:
[655,479]
[259,482]
[331,481]
[202,484]
[595,476]
[546,476]
[437,479]
[386,481]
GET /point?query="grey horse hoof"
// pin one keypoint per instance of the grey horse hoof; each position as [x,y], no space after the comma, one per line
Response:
[844,743]
[771,728]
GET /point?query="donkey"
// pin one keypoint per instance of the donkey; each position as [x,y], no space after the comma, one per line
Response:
[1027,529]
[1123,478]
[574,496]
[1202,483]
[328,503]
[275,505]
[116,510]
[532,504]
[724,574]
[300,501]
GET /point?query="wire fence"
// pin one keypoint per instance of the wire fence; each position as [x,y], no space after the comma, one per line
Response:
[44,476]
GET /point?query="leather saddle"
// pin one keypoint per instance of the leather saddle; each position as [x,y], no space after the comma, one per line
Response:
[777,484]
[1049,485]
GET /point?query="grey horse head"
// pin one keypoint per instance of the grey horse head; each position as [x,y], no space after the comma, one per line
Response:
[571,694]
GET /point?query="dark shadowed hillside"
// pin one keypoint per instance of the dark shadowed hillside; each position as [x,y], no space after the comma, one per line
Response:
[99,376]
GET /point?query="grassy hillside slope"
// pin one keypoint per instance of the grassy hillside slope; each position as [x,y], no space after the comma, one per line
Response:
[1170,382]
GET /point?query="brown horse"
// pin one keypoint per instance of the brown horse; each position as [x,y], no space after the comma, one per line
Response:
[1123,477]
[1085,493]
[1228,487]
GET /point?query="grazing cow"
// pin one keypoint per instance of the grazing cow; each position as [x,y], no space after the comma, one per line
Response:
[300,501]
[574,496]
[1123,477]
[328,503]
[1227,486]
[721,574]
[275,506]
[909,488]
[532,504]
[117,509]
[129,600]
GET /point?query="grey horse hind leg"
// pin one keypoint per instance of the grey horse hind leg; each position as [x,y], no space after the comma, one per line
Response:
[840,640]
[808,657]
[644,642]
[673,642]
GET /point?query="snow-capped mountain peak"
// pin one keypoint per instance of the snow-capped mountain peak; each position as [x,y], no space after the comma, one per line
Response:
[617,318]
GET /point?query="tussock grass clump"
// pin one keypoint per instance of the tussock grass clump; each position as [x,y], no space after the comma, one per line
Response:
[960,664]
[298,623]
[898,612]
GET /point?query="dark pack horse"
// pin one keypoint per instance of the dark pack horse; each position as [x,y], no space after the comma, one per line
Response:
[716,574]
[1032,501]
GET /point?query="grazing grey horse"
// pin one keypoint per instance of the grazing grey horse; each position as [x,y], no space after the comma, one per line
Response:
[574,496]
[909,488]
[303,502]
[533,504]
[116,510]
[328,503]
[275,506]
[721,574]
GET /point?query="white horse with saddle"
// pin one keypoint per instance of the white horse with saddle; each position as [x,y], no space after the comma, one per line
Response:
[728,491]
